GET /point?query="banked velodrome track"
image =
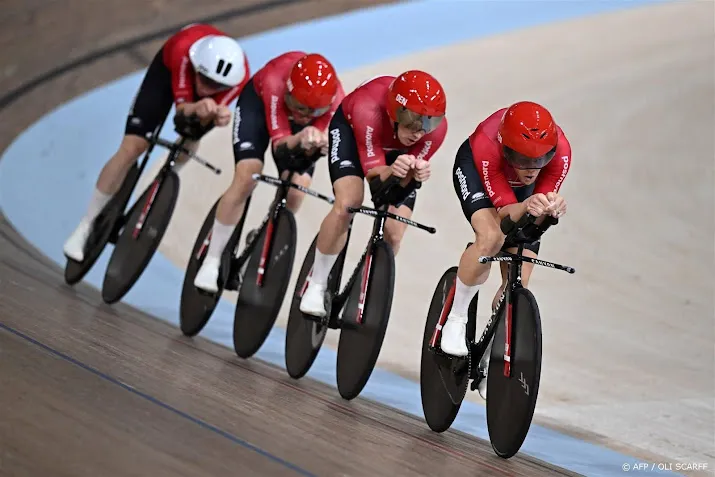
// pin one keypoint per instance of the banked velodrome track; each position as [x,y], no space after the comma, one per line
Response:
[93,390]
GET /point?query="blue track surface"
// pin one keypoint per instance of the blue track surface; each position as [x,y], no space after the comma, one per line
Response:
[46,176]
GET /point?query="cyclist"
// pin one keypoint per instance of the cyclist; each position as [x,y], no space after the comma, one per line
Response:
[514,162]
[199,69]
[388,126]
[288,102]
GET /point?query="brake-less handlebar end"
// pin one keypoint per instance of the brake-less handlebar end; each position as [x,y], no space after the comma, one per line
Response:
[255,176]
[483,259]
[431,230]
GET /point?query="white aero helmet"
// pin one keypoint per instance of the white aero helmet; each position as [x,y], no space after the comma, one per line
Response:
[219,58]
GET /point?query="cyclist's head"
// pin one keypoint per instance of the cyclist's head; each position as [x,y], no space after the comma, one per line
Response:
[528,135]
[311,87]
[219,63]
[417,103]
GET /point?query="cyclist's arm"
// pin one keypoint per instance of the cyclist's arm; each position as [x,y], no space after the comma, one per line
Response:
[430,143]
[552,176]
[489,165]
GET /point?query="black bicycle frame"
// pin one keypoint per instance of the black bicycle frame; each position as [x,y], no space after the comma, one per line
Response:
[175,149]
[279,203]
[514,233]
[378,234]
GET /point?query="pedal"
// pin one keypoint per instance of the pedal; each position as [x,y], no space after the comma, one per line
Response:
[114,234]
[480,374]
[251,236]
[234,282]
[321,320]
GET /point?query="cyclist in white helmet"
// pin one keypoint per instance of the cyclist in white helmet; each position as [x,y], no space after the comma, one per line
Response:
[200,70]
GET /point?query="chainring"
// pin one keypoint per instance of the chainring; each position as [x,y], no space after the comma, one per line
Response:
[458,396]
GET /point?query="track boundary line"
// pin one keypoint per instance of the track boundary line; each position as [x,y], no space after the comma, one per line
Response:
[158,402]
[16,93]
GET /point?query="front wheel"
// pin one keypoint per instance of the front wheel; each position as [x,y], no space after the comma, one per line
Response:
[511,400]
[361,337]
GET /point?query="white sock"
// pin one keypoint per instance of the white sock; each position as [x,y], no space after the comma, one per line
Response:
[462,298]
[220,236]
[96,203]
[321,267]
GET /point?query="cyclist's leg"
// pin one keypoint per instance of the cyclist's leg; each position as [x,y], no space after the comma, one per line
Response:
[150,107]
[394,230]
[488,239]
[250,141]
[348,187]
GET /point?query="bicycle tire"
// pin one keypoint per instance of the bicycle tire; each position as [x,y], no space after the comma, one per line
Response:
[257,307]
[130,256]
[511,401]
[359,346]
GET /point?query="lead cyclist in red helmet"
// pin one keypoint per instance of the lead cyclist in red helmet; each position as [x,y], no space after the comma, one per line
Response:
[514,162]
[289,103]
[388,126]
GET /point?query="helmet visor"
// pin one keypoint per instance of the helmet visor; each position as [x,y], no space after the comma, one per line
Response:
[417,122]
[212,84]
[295,105]
[520,161]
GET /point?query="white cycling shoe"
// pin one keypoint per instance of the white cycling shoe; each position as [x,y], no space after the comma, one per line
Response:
[454,336]
[74,246]
[207,276]
[313,301]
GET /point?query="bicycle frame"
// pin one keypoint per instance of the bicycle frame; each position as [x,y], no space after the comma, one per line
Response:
[175,149]
[279,203]
[378,234]
[478,348]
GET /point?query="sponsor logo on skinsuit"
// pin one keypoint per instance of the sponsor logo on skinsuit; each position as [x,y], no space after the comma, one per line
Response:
[335,136]
[368,142]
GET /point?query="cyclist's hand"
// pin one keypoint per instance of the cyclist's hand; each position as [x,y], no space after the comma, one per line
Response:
[310,138]
[558,204]
[206,108]
[223,116]
[402,165]
[421,170]
[537,205]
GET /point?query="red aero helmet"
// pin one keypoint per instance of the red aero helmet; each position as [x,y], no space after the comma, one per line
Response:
[416,96]
[528,135]
[312,84]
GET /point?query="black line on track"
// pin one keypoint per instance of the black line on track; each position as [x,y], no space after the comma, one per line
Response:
[12,95]
[153,400]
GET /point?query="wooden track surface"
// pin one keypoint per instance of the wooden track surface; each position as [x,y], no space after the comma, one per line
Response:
[91,390]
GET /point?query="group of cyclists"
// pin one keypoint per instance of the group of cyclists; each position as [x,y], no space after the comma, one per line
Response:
[514,162]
